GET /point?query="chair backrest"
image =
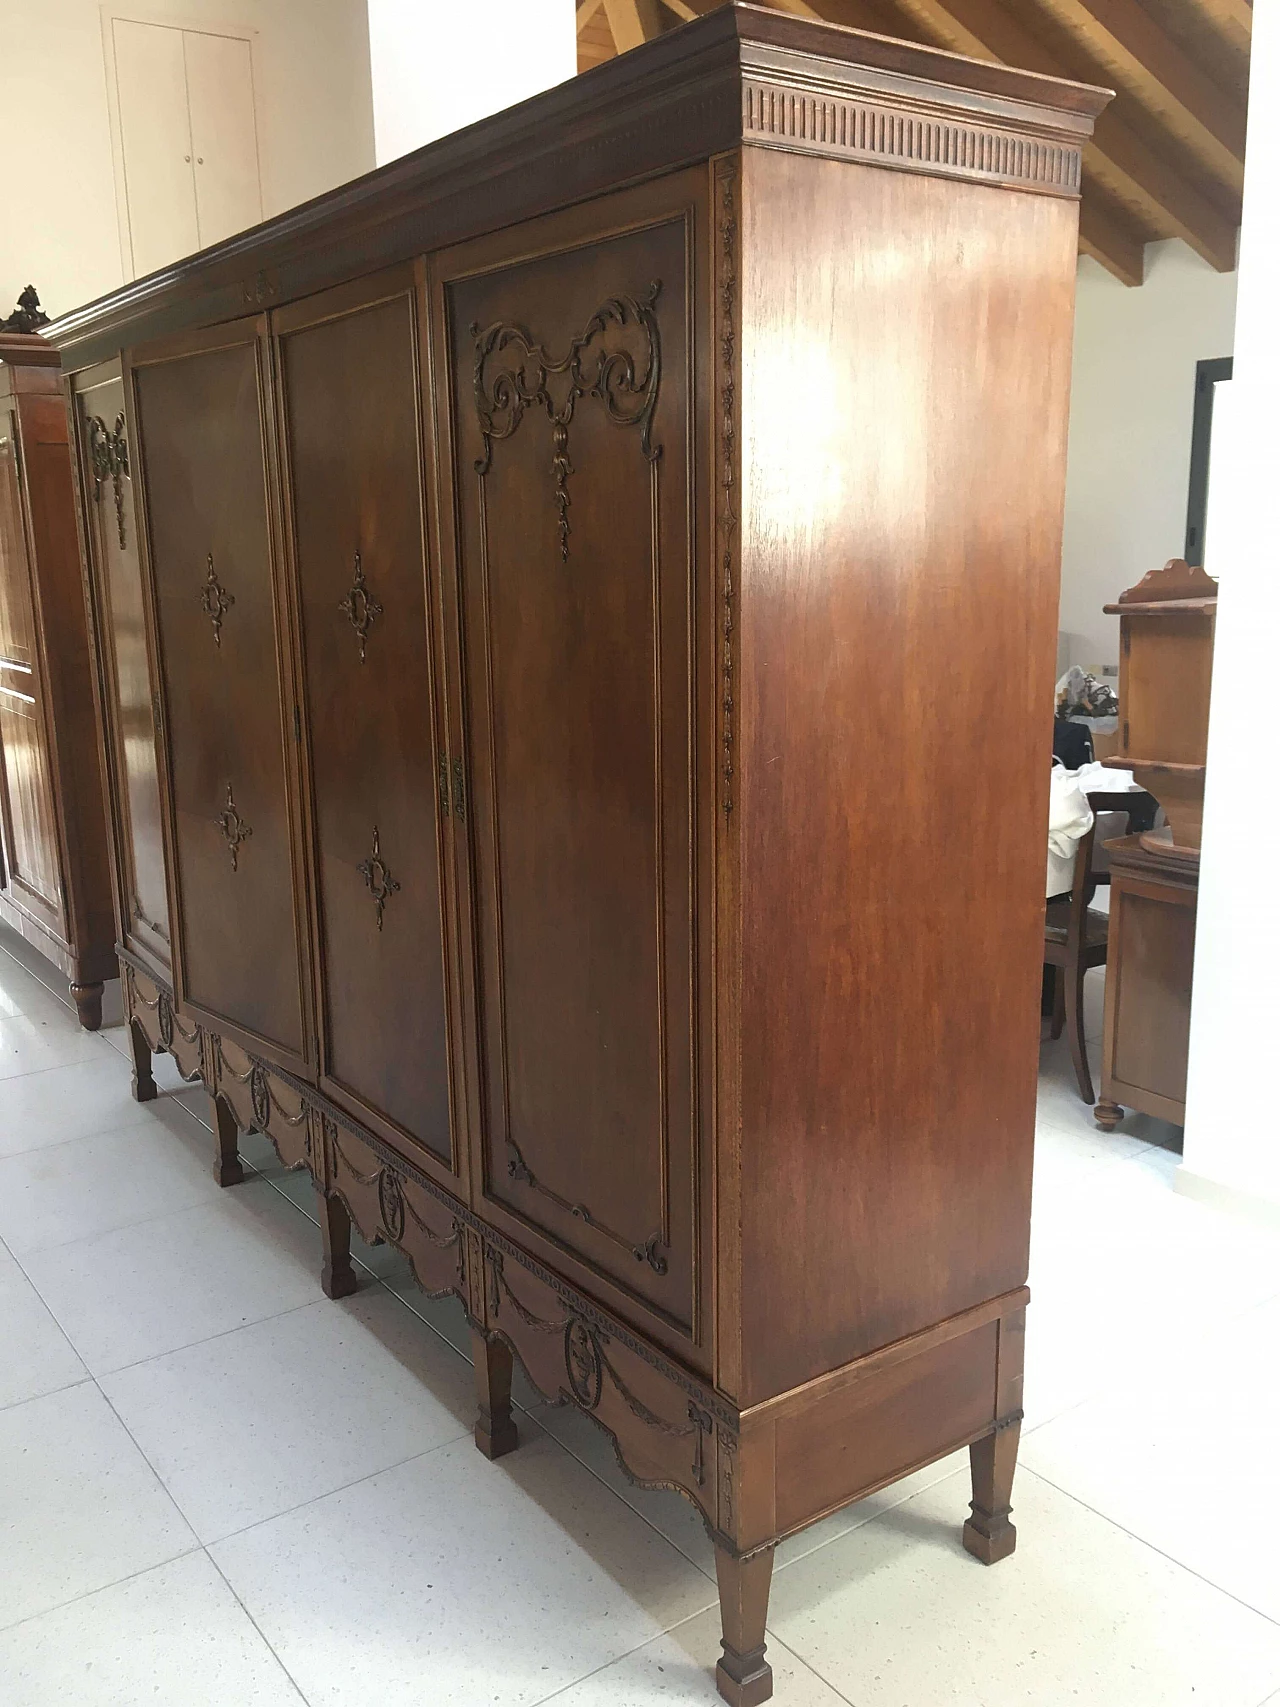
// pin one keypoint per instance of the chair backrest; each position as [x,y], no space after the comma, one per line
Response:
[1129,801]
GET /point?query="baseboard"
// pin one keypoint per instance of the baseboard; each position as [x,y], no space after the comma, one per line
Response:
[1249,1205]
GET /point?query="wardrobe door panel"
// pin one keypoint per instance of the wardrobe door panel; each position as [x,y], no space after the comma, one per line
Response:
[350,406]
[142,892]
[201,423]
[27,813]
[573,467]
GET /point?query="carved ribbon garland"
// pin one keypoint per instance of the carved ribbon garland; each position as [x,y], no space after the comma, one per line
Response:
[109,459]
[504,389]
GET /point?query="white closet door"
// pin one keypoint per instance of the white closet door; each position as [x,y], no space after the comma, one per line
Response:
[155,133]
[224,134]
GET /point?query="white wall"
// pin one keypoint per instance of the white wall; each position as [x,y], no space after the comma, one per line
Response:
[58,227]
[438,65]
[1129,449]
[1231,1150]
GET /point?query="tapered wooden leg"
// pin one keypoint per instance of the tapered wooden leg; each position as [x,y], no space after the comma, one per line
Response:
[1076,1039]
[1108,1115]
[989,1535]
[496,1432]
[88,1000]
[337,1276]
[144,1084]
[743,1676]
[1059,1016]
[228,1169]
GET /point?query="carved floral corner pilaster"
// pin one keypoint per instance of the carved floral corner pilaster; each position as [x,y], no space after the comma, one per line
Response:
[512,373]
[726,344]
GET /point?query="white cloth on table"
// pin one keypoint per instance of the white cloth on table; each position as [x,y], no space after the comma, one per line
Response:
[1070,816]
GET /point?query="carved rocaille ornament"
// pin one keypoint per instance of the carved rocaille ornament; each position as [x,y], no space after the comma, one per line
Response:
[513,373]
[109,460]
[377,876]
[215,600]
[652,1249]
[234,828]
[360,607]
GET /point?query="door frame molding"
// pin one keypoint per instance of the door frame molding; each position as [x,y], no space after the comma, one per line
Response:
[156,12]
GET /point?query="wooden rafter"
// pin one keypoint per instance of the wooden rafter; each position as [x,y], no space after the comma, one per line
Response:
[634,22]
[1166,159]
[1233,19]
[1109,240]
[1127,42]
[1118,159]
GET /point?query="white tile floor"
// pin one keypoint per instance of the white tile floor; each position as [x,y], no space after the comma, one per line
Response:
[217,1489]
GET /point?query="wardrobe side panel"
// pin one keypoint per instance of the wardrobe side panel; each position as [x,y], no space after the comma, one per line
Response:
[904,408]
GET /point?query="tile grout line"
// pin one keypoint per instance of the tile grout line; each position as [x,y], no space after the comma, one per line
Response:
[306,1699]
[126,1226]
[88,1137]
[88,1594]
[1149,1545]
[662,1635]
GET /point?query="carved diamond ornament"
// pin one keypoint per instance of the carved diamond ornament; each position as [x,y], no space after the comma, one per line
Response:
[377,876]
[215,600]
[362,610]
[234,829]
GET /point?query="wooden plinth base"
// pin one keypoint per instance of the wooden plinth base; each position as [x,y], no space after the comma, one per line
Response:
[744,1679]
[989,1536]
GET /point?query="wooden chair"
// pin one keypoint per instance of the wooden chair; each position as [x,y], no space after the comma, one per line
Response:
[1075,937]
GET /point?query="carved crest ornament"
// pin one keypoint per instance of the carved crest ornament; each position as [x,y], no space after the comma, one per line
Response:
[513,373]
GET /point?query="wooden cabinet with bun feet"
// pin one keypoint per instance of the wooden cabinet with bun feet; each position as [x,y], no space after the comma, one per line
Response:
[54,882]
[571,559]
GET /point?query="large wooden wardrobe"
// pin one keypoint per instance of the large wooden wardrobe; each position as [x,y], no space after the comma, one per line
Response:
[575,675]
[55,885]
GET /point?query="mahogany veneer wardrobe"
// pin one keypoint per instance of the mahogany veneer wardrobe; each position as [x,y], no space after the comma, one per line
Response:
[55,886]
[581,580]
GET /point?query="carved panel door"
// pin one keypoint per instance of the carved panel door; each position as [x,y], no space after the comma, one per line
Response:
[27,813]
[570,353]
[142,895]
[353,454]
[228,722]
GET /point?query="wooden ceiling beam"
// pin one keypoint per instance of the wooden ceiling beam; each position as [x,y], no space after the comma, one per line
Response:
[634,22]
[1233,19]
[1110,241]
[587,10]
[1128,46]
[1117,158]
[1126,165]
